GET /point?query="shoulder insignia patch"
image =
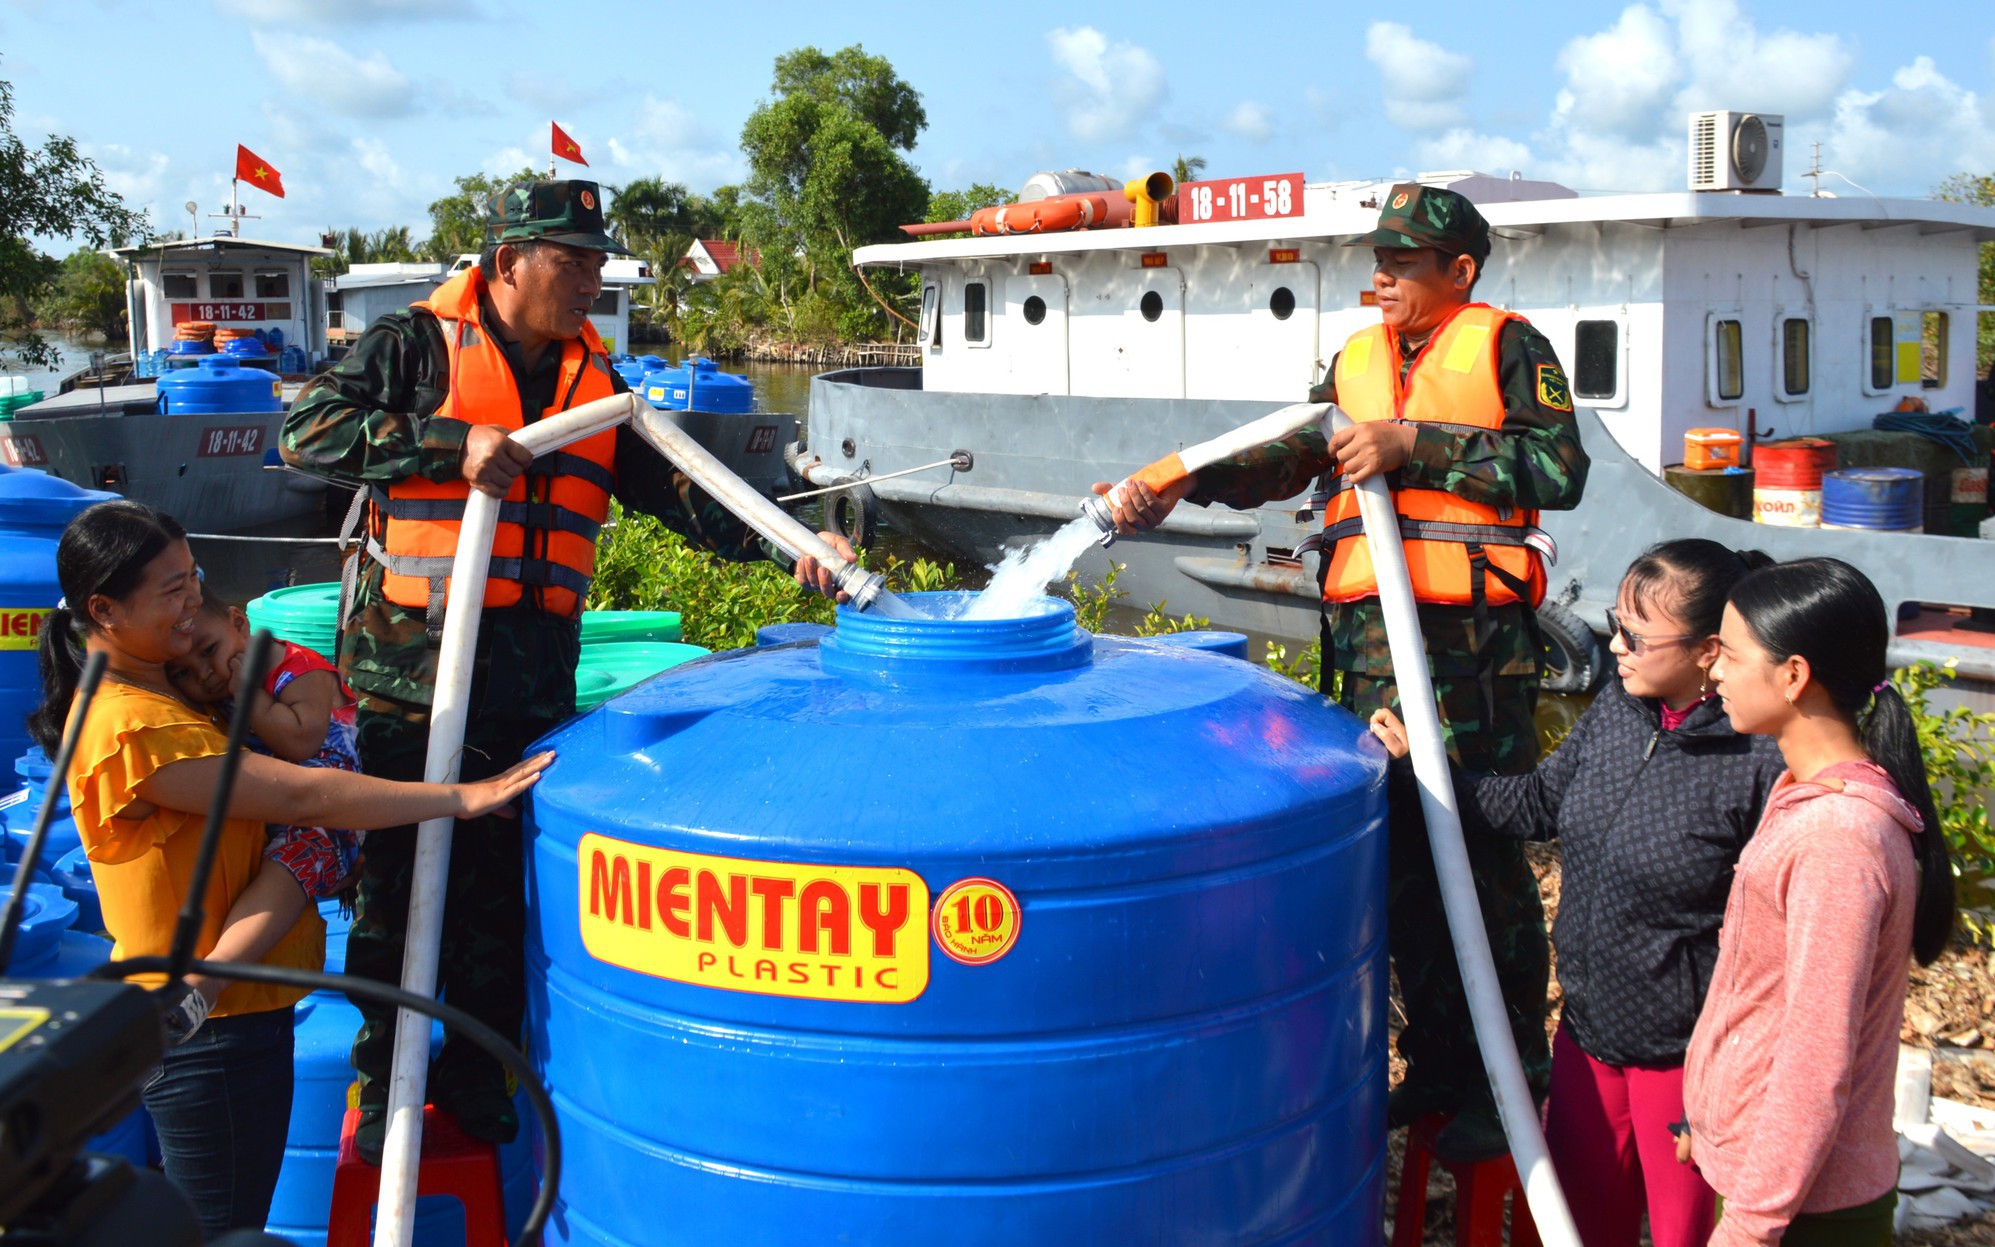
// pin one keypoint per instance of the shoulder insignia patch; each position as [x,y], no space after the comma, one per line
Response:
[1553,392]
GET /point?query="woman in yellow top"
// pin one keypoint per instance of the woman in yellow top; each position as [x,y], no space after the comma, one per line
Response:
[141,783]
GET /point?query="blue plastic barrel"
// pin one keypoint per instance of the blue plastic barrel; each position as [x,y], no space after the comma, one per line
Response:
[34,509]
[49,948]
[71,873]
[17,820]
[789,633]
[293,360]
[1890,500]
[245,348]
[1231,644]
[699,385]
[180,347]
[220,385]
[1071,940]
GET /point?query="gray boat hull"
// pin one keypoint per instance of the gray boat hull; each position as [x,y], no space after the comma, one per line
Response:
[1036,456]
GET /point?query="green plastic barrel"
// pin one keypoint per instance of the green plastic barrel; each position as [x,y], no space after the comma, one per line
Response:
[305,615]
[599,627]
[610,667]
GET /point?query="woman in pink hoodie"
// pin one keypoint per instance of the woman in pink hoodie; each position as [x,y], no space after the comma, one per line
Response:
[1788,1083]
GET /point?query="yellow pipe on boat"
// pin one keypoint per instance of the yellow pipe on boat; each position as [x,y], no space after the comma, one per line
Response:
[1146,196]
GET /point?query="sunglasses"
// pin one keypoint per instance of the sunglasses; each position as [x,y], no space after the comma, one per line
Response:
[1637,643]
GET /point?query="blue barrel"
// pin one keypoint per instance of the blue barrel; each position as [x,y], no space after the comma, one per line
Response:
[189,347]
[699,385]
[1231,644]
[1078,940]
[34,509]
[17,820]
[246,348]
[789,633]
[220,385]
[1889,500]
[71,873]
[49,948]
[293,360]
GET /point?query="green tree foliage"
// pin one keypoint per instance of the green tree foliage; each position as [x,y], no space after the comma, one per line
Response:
[457,221]
[1187,168]
[393,244]
[87,296]
[49,191]
[1969,188]
[958,205]
[827,175]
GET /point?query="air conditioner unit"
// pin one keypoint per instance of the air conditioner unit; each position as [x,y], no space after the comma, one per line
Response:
[1735,151]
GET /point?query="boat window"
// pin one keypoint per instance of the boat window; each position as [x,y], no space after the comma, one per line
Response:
[178,286]
[930,295]
[1933,350]
[1728,360]
[1793,357]
[1152,305]
[605,304]
[223,284]
[1035,310]
[273,285]
[1880,353]
[1282,303]
[1596,371]
[976,311]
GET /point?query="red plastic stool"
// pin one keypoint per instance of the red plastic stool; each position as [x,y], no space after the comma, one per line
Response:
[452,1164]
[1481,1187]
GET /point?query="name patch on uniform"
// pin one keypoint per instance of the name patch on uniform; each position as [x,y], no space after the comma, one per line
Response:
[1553,392]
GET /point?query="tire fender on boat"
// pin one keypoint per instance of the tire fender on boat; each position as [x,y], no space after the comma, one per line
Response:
[853,514]
[1575,657]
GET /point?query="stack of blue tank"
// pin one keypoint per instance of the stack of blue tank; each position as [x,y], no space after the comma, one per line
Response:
[698,385]
[219,385]
[34,509]
[979,932]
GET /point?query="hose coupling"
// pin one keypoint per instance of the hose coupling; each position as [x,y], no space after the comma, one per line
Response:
[1097,509]
[860,586]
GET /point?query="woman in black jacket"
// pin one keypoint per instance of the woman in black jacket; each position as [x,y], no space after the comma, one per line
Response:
[1652,796]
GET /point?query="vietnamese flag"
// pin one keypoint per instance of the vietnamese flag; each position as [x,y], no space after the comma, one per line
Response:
[565,147]
[255,170]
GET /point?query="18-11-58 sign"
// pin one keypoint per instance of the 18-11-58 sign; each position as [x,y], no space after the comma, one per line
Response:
[1243,199]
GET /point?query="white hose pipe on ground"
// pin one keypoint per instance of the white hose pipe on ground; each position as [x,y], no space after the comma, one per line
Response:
[765,517]
[449,707]
[1171,469]
[1417,707]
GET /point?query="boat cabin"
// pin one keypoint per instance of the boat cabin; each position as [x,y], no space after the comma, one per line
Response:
[241,283]
[622,276]
[364,292]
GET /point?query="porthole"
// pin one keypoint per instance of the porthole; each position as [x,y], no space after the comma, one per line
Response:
[1282,303]
[1035,310]
[1153,305]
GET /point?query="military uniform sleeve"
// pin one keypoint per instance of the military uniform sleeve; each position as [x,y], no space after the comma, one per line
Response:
[1535,460]
[647,482]
[366,418]
[1277,470]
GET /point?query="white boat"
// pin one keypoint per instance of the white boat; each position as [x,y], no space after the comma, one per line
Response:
[1059,359]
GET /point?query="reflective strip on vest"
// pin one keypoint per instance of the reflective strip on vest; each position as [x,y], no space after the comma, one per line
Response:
[1451,542]
[531,514]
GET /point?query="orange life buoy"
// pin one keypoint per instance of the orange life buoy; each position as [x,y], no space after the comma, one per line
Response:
[1051,215]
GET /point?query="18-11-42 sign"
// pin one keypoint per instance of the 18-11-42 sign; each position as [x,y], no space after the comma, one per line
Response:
[1241,199]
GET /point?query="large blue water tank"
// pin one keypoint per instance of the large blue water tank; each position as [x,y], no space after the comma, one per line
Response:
[699,385]
[17,817]
[1094,948]
[34,509]
[221,385]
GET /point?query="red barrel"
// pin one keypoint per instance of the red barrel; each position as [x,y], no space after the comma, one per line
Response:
[1787,485]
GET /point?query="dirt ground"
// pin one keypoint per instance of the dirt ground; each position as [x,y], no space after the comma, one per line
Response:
[1951,1008]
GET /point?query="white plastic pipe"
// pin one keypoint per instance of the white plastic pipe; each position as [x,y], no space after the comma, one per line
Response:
[765,517]
[1272,427]
[407,1085]
[1417,708]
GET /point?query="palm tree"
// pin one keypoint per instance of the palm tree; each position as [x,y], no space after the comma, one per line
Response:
[1187,168]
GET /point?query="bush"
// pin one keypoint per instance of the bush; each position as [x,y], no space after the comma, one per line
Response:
[1959,746]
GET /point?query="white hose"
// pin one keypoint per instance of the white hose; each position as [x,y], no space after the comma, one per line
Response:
[395,1223]
[1272,427]
[1417,707]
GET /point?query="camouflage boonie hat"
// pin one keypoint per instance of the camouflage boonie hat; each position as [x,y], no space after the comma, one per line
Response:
[1428,216]
[568,212]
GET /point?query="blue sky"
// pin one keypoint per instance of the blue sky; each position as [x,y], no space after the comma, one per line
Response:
[369,107]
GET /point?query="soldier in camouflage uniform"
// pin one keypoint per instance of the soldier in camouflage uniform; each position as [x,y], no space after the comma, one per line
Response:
[369,421]
[1486,685]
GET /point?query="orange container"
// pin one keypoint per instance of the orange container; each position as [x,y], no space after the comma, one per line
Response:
[1711,448]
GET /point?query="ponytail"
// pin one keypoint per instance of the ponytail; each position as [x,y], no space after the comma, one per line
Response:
[61,660]
[1829,613]
[103,553]
[1891,738]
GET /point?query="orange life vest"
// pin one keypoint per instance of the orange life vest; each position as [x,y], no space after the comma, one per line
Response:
[545,550]
[1458,552]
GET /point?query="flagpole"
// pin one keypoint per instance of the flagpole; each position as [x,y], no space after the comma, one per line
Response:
[235,210]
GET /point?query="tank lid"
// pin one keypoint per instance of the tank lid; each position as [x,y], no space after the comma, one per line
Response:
[45,915]
[938,642]
[31,498]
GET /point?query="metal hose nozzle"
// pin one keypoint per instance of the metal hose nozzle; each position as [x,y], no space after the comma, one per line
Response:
[1097,509]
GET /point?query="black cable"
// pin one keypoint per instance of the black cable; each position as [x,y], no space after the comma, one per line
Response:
[31,853]
[463,1023]
[249,683]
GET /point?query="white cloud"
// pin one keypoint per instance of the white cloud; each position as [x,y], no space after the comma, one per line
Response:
[138,176]
[1249,121]
[1107,87]
[1466,149]
[550,92]
[1620,80]
[345,12]
[1910,135]
[349,85]
[1424,85]
[668,140]
[1732,65]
